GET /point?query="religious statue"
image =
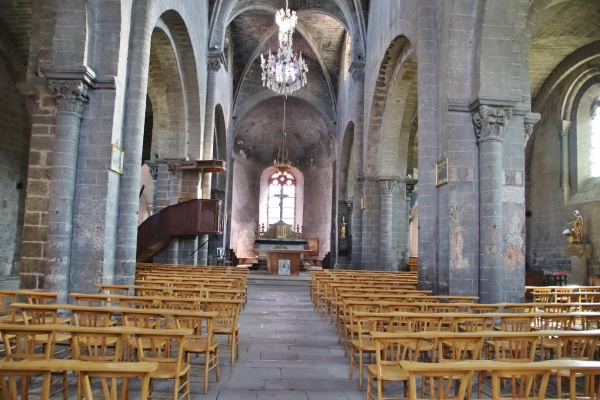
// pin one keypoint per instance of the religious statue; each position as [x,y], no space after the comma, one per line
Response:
[577,224]
[343,225]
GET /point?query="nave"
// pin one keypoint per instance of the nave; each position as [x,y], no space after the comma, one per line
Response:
[287,351]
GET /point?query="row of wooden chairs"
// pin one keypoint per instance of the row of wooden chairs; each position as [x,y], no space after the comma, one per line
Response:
[97,350]
[393,351]
[223,322]
[566,294]
[363,324]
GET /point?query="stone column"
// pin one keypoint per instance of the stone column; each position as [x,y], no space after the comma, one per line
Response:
[489,125]
[214,64]
[228,206]
[386,187]
[358,76]
[133,137]
[565,128]
[72,97]
[357,225]
[427,141]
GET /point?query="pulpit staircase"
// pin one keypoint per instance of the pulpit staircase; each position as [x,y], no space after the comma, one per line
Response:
[189,218]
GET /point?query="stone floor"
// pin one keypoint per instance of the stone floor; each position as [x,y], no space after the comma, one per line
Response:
[286,350]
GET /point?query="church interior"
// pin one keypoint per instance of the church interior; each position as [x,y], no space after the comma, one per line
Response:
[461,134]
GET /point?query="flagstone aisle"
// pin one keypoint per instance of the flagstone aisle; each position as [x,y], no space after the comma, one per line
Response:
[286,351]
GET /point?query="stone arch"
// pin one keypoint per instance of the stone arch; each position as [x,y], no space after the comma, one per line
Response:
[173,89]
[398,66]
[166,94]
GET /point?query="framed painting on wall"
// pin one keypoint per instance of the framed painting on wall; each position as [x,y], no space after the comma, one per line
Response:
[441,171]
[116,158]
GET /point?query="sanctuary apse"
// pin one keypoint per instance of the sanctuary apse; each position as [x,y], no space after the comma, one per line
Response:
[498,97]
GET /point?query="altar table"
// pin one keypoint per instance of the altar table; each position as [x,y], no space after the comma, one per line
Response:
[273,257]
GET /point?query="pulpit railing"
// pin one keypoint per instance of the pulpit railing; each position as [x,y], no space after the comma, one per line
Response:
[189,218]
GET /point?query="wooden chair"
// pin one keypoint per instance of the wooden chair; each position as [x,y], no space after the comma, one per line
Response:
[40,298]
[442,383]
[41,315]
[477,308]
[114,289]
[519,307]
[7,313]
[172,363]
[99,346]
[390,349]
[119,373]
[138,302]
[426,323]
[542,295]
[454,348]
[226,324]
[352,308]
[364,326]
[146,320]
[574,348]
[552,321]
[93,317]
[472,323]
[22,345]
[201,342]
[180,304]
[527,384]
[517,349]
[445,308]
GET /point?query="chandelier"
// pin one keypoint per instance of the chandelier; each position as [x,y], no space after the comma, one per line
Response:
[282,163]
[284,72]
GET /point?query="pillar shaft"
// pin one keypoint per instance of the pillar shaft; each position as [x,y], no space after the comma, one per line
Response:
[489,125]
[358,76]
[564,142]
[133,137]
[72,98]
[427,142]
[386,187]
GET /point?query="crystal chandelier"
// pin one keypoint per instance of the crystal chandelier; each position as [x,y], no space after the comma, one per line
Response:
[284,72]
[282,163]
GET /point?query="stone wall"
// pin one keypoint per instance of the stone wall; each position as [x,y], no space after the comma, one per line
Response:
[15,139]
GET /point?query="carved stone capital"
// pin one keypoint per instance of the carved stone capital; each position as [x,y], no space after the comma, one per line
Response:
[350,205]
[215,61]
[358,72]
[528,132]
[386,186]
[490,122]
[72,95]
[529,120]
[153,171]
[174,168]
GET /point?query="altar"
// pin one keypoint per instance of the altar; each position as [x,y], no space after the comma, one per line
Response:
[282,249]
[284,262]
